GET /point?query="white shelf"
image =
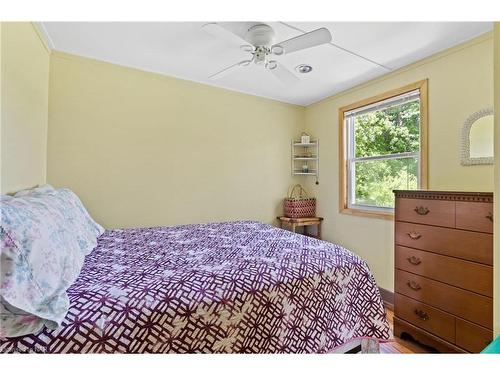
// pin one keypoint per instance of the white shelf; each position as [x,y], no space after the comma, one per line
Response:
[312,144]
[299,171]
[304,158]
[305,173]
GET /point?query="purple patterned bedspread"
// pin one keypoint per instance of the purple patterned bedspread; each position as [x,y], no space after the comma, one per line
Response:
[243,287]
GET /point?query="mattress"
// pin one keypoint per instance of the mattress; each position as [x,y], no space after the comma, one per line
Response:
[235,287]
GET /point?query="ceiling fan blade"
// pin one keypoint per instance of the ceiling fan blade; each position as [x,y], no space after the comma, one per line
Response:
[284,75]
[228,70]
[218,31]
[307,40]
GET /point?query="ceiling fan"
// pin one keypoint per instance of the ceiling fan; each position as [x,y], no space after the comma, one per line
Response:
[259,42]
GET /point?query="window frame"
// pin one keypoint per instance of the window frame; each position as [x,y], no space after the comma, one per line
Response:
[384,213]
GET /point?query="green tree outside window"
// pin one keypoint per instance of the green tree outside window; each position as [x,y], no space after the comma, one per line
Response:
[386,132]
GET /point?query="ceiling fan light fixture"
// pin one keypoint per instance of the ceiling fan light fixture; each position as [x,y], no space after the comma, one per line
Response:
[259,41]
[303,68]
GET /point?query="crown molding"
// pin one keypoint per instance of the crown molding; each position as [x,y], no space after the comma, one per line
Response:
[44,36]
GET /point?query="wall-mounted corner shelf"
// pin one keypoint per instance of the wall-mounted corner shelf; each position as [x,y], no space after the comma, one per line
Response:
[305,158]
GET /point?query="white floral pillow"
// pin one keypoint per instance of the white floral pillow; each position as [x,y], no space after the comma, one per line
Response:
[44,239]
[79,220]
[77,216]
[42,189]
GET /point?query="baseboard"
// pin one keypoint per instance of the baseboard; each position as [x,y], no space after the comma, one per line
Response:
[387,297]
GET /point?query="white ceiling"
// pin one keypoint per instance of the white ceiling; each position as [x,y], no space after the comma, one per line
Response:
[360,51]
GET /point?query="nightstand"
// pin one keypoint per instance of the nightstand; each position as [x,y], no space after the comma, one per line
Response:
[293,223]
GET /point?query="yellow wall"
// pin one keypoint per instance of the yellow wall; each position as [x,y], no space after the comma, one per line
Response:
[24,106]
[460,83]
[496,256]
[142,149]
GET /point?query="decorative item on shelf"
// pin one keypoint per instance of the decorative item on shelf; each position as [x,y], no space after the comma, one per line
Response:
[305,168]
[298,204]
[305,138]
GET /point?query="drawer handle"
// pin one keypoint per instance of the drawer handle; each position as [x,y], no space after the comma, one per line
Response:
[421,210]
[490,217]
[414,260]
[413,285]
[421,314]
[414,235]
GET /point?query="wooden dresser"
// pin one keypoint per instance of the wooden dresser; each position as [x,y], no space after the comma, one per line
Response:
[443,269]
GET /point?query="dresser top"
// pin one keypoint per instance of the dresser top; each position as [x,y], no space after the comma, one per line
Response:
[464,196]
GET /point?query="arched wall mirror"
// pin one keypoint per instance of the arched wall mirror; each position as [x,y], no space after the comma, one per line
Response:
[477,138]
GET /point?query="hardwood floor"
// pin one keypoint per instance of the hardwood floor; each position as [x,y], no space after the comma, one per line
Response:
[398,346]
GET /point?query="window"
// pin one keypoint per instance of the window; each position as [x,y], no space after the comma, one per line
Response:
[383,144]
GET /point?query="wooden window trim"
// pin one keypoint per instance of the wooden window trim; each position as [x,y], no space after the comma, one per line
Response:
[422,86]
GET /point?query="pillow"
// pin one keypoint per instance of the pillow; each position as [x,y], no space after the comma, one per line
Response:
[43,189]
[79,220]
[44,239]
[84,227]
[40,259]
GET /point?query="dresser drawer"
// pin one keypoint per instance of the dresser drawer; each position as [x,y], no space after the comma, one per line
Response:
[461,273]
[471,337]
[475,216]
[473,246]
[426,317]
[468,305]
[424,211]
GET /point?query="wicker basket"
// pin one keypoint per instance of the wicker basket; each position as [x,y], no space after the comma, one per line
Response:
[298,203]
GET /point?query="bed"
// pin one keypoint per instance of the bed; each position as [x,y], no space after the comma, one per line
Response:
[234,287]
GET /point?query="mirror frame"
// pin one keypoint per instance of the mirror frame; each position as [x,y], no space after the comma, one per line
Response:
[465,159]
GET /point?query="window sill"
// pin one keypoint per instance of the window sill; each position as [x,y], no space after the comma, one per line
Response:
[368,213]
